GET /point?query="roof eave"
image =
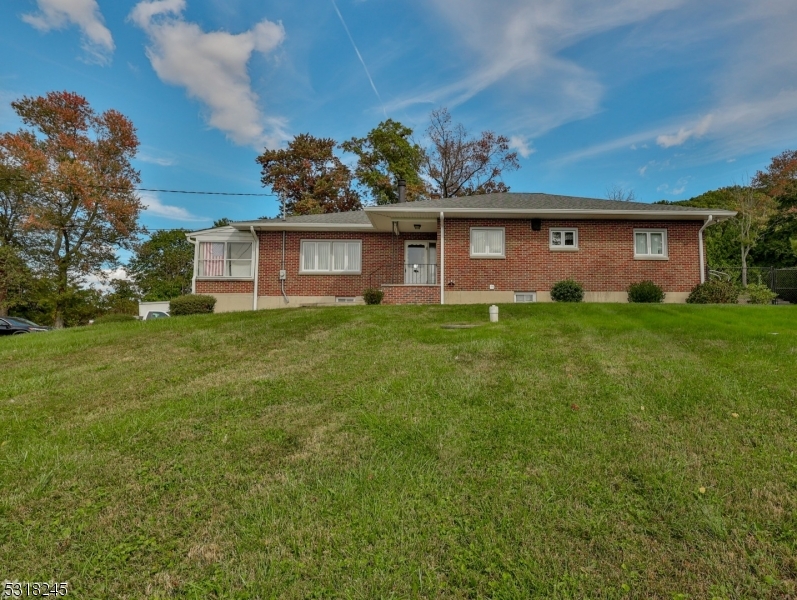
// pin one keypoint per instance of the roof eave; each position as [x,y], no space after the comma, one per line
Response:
[451,212]
[288,226]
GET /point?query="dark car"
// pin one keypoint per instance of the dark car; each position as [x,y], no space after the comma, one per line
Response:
[16,326]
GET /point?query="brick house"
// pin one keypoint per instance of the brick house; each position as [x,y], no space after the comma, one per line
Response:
[494,248]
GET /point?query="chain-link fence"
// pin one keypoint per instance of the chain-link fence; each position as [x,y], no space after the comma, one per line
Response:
[781,281]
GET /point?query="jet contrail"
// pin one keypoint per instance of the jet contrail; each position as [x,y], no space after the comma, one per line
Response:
[360,56]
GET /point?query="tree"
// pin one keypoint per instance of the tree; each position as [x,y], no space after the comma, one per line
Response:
[15,279]
[162,267]
[308,177]
[223,222]
[619,193]
[79,165]
[779,181]
[385,155]
[460,165]
[754,211]
[121,298]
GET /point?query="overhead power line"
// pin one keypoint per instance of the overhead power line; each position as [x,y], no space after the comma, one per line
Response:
[163,191]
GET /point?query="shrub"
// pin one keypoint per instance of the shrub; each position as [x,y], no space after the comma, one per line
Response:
[714,291]
[373,296]
[645,291]
[567,291]
[192,304]
[760,294]
[114,318]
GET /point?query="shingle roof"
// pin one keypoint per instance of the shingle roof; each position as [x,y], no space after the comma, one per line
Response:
[519,201]
[355,217]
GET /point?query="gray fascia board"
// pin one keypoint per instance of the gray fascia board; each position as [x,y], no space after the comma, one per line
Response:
[286,226]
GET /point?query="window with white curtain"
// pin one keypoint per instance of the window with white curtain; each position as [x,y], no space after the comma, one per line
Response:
[225,259]
[563,239]
[319,256]
[650,243]
[487,242]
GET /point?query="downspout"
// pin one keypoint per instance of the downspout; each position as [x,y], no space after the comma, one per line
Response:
[442,258]
[282,279]
[256,253]
[700,248]
[196,262]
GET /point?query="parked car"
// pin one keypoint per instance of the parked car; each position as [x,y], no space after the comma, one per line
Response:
[17,325]
[156,314]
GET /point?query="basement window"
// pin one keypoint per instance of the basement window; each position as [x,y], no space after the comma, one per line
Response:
[346,300]
[525,297]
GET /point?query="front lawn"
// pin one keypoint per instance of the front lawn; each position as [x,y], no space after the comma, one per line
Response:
[569,451]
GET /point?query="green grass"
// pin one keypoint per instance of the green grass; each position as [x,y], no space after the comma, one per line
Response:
[569,451]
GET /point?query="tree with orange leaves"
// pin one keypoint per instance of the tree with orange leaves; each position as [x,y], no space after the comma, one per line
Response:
[84,204]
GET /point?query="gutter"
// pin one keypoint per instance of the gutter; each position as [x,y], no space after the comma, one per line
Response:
[282,279]
[256,253]
[196,261]
[442,257]
[708,222]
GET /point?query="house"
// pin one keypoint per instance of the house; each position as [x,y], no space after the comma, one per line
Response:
[491,248]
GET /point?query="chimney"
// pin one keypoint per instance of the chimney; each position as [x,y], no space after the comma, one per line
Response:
[402,190]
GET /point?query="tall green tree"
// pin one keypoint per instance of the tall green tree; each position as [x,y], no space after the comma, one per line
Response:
[16,279]
[85,207]
[308,177]
[384,156]
[162,267]
[459,164]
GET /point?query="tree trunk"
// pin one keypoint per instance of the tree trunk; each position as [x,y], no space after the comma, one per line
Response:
[60,296]
[744,267]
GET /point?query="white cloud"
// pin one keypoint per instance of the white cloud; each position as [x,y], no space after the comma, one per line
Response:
[161,161]
[212,67]
[102,281]
[156,208]
[96,41]
[684,134]
[643,170]
[522,145]
[518,45]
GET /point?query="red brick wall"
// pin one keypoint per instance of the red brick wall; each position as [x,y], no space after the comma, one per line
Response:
[382,256]
[604,262]
[399,294]
[224,287]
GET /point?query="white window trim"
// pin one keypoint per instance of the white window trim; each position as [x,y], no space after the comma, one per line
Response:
[563,248]
[532,294]
[226,240]
[328,271]
[503,245]
[664,241]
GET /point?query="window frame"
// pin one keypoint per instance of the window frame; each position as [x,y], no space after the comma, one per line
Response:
[532,294]
[224,261]
[488,256]
[330,271]
[665,255]
[563,230]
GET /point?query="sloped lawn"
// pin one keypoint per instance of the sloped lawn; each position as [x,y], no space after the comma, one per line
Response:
[587,451]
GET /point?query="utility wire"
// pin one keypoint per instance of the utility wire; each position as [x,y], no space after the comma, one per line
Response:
[159,190]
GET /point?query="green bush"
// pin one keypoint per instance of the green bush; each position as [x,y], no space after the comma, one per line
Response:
[760,294]
[114,318]
[567,291]
[192,304]
[714,291]
[645,291]
[373,296]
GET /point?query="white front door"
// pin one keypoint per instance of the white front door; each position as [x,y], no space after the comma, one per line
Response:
[420,262]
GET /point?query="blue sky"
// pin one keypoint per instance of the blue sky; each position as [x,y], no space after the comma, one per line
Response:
[669,98]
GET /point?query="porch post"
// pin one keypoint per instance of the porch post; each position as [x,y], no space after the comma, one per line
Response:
[442,258]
